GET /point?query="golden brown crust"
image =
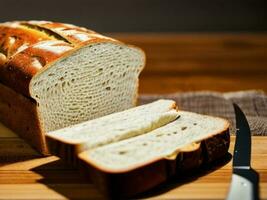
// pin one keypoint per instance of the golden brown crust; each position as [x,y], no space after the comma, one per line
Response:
[19,113]
[13,36]
[30,48]
[22,54]
[73,34]
[18,71]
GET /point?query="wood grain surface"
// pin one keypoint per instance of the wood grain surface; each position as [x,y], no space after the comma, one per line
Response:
[175,62]
[191,62]
[49,178]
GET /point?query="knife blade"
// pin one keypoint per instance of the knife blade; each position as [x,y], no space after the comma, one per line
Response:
[245,180]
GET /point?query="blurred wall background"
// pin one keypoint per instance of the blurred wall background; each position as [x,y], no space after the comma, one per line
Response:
[213,44]
[144,15]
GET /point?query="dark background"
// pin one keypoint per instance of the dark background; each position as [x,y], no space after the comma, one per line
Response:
[144,15]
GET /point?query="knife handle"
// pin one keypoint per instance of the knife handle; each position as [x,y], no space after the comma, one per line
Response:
[244,185]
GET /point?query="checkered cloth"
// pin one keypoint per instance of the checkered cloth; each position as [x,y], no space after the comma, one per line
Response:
[253,103]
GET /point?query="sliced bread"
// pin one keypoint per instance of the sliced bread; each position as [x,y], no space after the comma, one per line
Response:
[136,164]
[67,142]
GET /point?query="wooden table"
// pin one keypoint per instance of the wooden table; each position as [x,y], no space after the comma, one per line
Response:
[187,62]
[49,178]
[191,62]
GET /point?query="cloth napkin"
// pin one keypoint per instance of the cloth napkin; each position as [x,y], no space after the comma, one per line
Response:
[253,103]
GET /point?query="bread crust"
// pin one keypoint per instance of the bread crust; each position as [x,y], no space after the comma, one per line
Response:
[20,114]
[137,180]
[18,69]
[62,30]
[66,151]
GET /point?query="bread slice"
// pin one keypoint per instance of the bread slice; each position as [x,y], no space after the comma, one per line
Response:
[67,142]
[92,81]
[139,163]
[68,75]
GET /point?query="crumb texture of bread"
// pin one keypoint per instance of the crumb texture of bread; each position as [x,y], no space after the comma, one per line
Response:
[94,81]
[162,142]
[118,126]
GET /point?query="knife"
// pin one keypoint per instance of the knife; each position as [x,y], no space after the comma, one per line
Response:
[245,180]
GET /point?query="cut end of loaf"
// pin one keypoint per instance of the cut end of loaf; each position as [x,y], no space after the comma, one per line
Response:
[161,143]
[93,81]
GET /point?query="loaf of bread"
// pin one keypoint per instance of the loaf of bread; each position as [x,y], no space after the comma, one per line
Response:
[54,75]
[73,89]
[132,151]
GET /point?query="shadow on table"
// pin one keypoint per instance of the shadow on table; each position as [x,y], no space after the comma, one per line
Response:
[70,183]
[14,159]
[66,181]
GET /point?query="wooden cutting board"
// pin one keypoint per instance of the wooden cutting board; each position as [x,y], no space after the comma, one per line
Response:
[29,176]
